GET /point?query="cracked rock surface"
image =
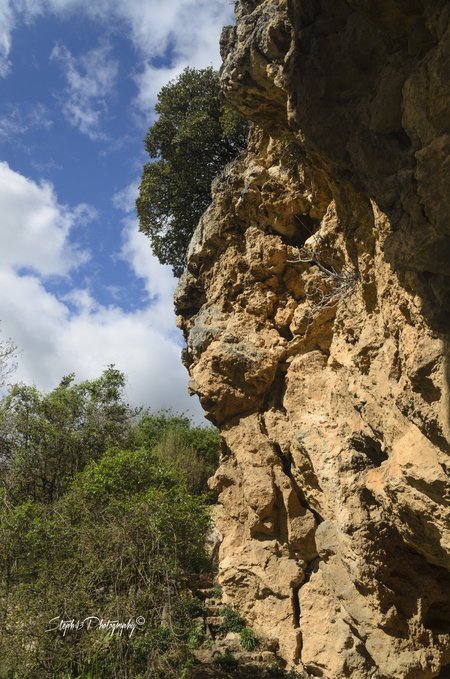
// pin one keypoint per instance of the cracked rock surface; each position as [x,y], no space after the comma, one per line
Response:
[316,311]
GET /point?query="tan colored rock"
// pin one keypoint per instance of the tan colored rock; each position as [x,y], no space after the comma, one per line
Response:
[335,416]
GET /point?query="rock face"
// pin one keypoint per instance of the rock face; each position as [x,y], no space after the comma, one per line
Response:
[316,310]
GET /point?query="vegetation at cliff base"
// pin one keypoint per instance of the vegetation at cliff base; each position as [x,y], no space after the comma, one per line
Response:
[190,143]
[99,520]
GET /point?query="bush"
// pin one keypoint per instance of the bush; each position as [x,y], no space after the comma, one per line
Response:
[101,531]
[233,622]
[248,639]
[217,592]
[110,545]
[195,607]
[196,636]
[195,450]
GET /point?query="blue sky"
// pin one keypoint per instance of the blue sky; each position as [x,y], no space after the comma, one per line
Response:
[79,287]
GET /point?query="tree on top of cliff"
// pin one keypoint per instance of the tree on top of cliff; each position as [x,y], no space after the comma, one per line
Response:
[190,143]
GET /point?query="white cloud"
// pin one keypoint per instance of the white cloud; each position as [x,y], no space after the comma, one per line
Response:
[34,228]
[158,278]
[75,333]
[6,26]
[91,79]
[126,198]
[184,31]
[11,125]
[192,35]
[18,120]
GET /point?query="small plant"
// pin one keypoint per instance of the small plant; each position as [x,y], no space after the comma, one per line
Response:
[185,670]
[226,660]
[195,636]
[217,592]
[233,622]
[195,607]
[338,279]
[248,639]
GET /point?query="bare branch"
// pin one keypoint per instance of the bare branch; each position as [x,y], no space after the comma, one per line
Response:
[338,279]
[8,352]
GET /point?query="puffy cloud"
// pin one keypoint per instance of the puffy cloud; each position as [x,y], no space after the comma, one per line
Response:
[74,333]
[91,79]
[34,228]
[182,32]
[126,198]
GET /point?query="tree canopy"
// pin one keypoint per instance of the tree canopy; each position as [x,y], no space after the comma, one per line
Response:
[101,514]
[190,143]
[47,438]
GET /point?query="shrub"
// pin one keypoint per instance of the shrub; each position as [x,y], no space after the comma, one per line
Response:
[196,636]
[337,278]
[248,639]
[217,592]
[174,438]
[195,607]
[110,540]
[233,622]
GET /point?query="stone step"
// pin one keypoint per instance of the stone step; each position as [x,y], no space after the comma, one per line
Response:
[213,610]
[200,581]
[247,657]
[215,620]
[214,601]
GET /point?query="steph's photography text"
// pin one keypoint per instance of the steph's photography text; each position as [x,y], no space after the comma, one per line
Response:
[93,622]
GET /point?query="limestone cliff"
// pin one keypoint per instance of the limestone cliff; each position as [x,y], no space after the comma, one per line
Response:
[316,309]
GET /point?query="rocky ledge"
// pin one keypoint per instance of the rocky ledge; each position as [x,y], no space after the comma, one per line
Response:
[316,311]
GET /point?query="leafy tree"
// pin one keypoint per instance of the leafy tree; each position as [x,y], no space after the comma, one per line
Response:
[195,449]
[8,351]
[97,519]
[47,438]
[191,142]
[113,546]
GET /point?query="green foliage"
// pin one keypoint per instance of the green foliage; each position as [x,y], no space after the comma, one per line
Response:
[195,607]
[196,636]
[233,622]
[247,639]
[217,592]
[47,438]
[173,437]
[109,538]
[186,666]
[190,143]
